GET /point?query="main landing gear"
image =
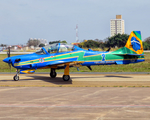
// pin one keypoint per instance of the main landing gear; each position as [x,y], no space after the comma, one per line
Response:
[53,73]
[16,77]
[66,76]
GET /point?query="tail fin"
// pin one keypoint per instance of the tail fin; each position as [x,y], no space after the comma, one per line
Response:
[134,42]
[133,46]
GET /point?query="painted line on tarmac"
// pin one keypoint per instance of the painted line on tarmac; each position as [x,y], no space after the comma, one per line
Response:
[72,106]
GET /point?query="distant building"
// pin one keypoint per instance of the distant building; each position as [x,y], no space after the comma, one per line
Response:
[117,25]
[16,47]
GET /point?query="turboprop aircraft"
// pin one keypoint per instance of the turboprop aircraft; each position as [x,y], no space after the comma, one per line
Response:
[64,56]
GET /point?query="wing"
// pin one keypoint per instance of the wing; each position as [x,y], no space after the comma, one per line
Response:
[61,63]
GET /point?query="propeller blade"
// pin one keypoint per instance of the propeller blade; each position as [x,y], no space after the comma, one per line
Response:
[8,53]
[9,66]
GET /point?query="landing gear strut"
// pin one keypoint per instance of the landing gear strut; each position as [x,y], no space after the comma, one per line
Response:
[66,76]
[53,74]
[16,77]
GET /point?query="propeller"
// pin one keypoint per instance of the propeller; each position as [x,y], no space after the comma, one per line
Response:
[8,55]
[8,52]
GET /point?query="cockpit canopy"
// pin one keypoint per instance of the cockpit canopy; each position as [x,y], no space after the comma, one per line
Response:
[57,48]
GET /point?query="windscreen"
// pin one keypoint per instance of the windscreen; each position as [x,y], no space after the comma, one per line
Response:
[40,52]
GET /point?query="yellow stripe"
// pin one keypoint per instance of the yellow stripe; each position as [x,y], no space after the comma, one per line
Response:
[96,55]
[31,61]
[48,57]
[65,54]
[112,60]
[50,60]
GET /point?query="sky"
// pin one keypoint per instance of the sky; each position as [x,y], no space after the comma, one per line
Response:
[57,19]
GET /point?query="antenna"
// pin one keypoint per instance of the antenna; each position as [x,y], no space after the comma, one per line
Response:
[77,39]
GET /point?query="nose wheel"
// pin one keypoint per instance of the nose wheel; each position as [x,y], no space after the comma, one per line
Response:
[16,77]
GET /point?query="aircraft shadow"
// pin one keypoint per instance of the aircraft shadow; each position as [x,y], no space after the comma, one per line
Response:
[57,80]
[118,76]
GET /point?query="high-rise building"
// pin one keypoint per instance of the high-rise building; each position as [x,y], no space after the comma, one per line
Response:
[117,25]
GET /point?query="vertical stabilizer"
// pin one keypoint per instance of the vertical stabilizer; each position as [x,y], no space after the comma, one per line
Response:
[134,42]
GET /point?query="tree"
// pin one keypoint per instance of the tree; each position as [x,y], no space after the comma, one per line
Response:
[64,41]
[147,40]
[41,45]
[52,42]
[34,43]
[118,40]
[91,44]
[57,41]
[3,45]
[146,44]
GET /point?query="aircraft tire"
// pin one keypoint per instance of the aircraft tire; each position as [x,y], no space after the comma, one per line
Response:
[16,78]
[66,77]
[53,74]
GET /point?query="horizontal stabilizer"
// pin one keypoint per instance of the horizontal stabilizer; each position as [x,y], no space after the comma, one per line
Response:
[131,54]
[136,54]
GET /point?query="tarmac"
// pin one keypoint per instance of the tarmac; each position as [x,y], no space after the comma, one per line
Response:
[84,97]
[77,80]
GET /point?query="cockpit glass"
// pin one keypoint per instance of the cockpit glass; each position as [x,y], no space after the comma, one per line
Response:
[65,48]
[40,52]
[56,48]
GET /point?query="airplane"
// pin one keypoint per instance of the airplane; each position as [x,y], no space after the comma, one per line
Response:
[63,56]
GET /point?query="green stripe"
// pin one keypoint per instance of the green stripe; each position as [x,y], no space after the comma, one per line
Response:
[138,35]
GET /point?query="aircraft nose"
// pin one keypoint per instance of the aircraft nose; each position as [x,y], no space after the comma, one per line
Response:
[7,60]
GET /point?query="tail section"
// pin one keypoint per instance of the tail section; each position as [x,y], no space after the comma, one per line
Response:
[132,52]
[134,42]
[133,46]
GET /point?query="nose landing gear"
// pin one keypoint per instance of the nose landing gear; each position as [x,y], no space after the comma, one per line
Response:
[16,77]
